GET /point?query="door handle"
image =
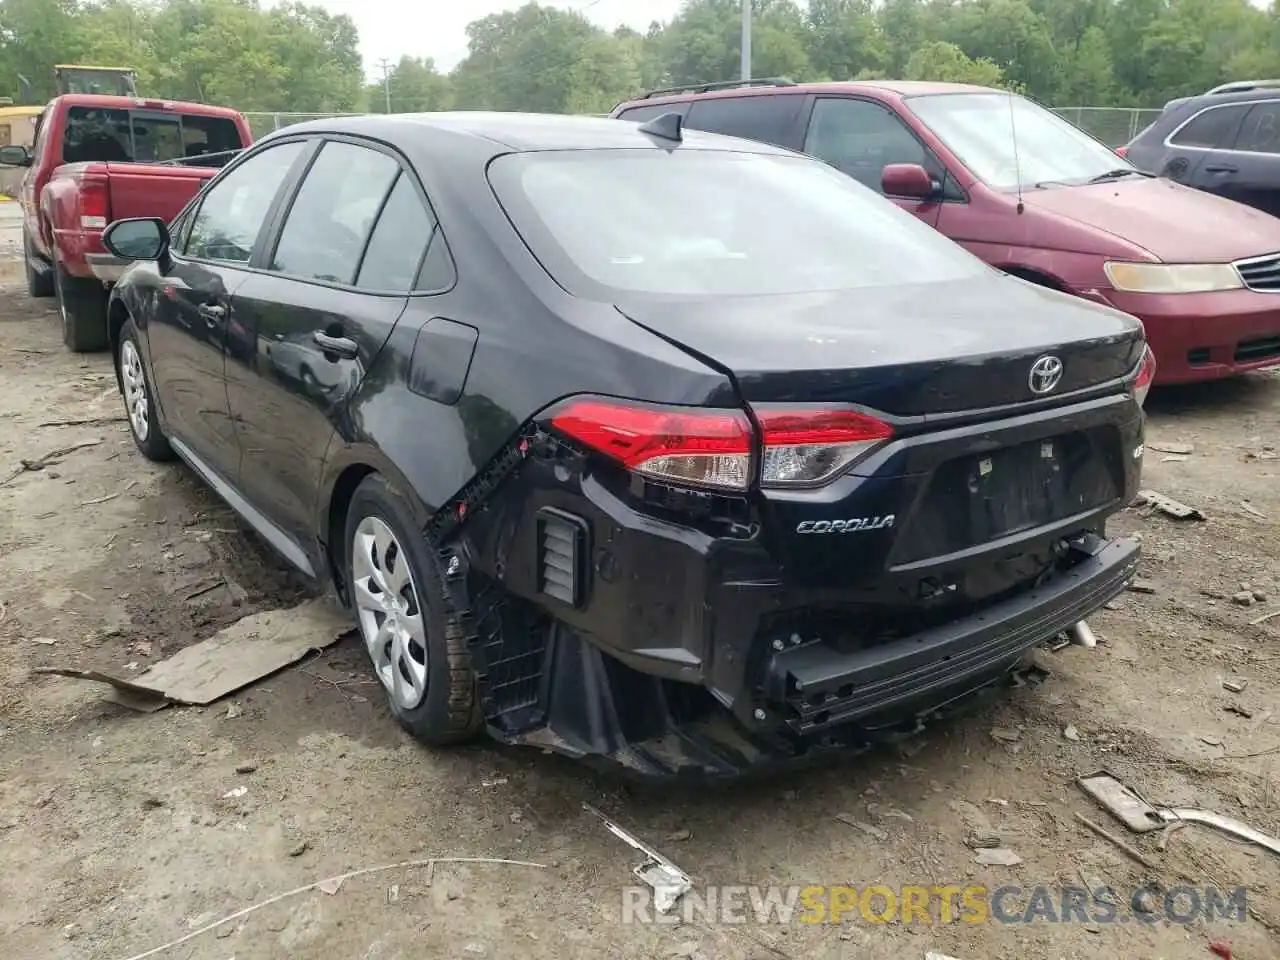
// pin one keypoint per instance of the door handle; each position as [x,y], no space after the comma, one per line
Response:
[1221,168]
[342,347]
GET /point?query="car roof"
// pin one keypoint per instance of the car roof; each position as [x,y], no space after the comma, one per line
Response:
[897,88]
[110,102]
[1230,96]
[522,132]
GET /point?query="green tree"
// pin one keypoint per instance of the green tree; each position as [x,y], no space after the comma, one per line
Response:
[34,35]
[845,40]
[416,87]
[704,42]
[939,60]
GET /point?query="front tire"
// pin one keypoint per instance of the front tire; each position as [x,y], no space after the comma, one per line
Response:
[82,302]
[417,645]
[139,402]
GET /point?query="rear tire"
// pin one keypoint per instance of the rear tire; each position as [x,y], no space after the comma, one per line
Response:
[139,398]
[399,602]
[38,284]
[82,302]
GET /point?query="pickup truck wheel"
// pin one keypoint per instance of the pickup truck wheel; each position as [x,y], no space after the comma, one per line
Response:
[137,393]
[82,302]
[418,647]
[38,284]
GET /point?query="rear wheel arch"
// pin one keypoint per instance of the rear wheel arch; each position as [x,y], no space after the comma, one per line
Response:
[335,524]
[117,316]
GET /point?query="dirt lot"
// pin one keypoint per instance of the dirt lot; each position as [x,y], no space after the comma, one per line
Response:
[116,836]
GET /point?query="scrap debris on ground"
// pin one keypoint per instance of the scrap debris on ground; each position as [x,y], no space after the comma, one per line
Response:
[123,830]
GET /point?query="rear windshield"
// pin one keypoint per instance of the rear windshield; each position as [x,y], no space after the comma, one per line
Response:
[141,136]
[687,222]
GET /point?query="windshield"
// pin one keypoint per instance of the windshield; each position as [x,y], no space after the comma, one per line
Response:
[979,129]
[687,222]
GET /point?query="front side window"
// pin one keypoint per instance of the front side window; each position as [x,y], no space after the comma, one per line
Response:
[1213,128]
[325,232]
[1260,131]
[1006,140]
[232,213]
[714,223]
[861,138]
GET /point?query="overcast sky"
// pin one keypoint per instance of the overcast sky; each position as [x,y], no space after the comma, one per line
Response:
[437,28]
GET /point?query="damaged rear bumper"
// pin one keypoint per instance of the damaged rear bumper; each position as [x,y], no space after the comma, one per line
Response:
[818,687]
[807,701]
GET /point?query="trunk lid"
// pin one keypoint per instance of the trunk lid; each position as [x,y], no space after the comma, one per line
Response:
[903,350]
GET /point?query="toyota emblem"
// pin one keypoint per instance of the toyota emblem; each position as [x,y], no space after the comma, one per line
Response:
[1046,373]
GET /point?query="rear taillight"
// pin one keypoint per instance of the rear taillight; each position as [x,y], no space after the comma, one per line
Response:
[95,204]
[714,448]
[1122,151]
[803,447]
[1146,376]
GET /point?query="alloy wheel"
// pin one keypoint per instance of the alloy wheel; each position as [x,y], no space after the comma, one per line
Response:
[391,620]
[135,390]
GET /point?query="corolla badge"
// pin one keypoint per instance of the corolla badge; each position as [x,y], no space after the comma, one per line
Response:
[1046,373]
[852,525]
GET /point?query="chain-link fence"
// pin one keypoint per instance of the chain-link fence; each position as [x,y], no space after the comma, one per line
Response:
[1114,126]
[263,123]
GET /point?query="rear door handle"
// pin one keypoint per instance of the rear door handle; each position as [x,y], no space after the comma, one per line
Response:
[1221,168]
[343,347]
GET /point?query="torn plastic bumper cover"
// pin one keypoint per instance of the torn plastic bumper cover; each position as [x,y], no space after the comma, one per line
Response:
[805,701]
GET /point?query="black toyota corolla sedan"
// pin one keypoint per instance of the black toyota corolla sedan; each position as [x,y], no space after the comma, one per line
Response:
[639,444]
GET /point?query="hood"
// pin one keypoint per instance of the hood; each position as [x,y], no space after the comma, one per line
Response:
[1175,223]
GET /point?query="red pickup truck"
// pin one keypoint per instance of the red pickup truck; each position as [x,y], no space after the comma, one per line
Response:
[102,158]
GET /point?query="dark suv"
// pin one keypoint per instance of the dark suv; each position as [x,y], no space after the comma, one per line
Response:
[1226,142]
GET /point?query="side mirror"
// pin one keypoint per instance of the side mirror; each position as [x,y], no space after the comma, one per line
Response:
[908,180]
[144,238]
[15,156]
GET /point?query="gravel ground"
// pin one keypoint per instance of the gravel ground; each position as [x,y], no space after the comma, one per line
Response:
[118,834]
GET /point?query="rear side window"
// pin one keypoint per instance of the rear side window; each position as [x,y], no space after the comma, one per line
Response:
[714,223]
[325,232]
[399,241]
[1260,131]
[770,119]
[1214,128]
[641,114]
[860,138]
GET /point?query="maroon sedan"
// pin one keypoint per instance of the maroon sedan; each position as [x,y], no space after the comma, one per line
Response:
[1035,196]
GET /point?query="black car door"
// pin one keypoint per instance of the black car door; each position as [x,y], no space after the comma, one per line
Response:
[186,336]
[1250,171]
[334,279]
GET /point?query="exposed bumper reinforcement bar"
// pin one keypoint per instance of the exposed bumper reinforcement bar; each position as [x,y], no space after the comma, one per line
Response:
[821,687]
